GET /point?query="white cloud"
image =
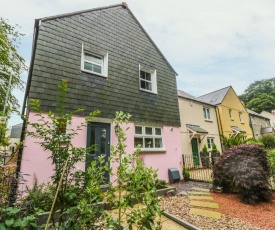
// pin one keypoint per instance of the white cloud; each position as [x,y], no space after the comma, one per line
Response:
[211,44]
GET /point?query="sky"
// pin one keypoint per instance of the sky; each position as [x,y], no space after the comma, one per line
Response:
[211,44]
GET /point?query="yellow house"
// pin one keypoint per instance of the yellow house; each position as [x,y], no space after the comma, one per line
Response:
[232,115]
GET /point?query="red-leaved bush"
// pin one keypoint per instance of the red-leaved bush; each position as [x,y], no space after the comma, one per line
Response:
[244,169]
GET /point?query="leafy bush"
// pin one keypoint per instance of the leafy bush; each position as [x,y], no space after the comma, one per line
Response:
[204,149]
[271,159]
[185,173]
[244,169]
[214,148]
[268,140]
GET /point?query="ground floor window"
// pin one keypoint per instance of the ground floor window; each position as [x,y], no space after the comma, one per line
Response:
[148,137]
[210,142]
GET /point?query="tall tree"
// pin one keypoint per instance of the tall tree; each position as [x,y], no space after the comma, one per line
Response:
[11,63]
[260,95]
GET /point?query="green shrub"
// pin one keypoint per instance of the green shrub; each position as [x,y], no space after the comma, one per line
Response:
[268,141]
[185,173]
[204,149]
[271,159]
[244,169]
[214,148]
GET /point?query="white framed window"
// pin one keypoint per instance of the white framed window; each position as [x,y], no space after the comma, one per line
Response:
[210,142]
[94,61]
[230,114]
[206,113]
[148,137]
[147,79]
[241,117]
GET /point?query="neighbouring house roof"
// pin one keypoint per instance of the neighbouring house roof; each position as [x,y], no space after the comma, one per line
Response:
[266,130]
[16,131]
[215,97]
[189,96]
[196,128]
[256,114]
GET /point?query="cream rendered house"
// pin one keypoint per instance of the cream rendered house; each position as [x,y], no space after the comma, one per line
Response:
[199,127]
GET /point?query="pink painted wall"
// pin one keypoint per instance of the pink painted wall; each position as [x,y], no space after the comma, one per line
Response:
[34,159]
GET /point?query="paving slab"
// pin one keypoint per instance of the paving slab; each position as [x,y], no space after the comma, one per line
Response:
[207,213]
[200,189]
[200,197]
[204,204]
[199,193]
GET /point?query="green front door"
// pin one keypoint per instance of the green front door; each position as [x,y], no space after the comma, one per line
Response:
[195,152]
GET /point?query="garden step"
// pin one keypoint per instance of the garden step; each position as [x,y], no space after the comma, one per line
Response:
[200,198]
[200,189]
[204,204]
[207,213]
[199,193]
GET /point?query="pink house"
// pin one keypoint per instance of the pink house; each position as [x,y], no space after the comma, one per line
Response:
[111,64]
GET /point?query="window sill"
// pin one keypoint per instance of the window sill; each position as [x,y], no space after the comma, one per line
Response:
[94,73]
[231,119]
[207,120]
[148,91]
[152,150]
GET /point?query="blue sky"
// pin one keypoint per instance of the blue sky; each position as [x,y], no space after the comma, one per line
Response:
[211,44]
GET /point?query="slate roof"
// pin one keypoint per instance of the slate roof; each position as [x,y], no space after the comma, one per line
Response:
[196,128]
[189,96]
[256,114]
[215,97]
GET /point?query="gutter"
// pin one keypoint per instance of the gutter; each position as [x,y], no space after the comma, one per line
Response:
[22,137]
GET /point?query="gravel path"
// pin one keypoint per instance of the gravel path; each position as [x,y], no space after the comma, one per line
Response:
[180,206]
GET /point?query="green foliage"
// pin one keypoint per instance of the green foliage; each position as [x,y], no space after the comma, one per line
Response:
[135,182]
[271,159]
[10,62]
[185,173]
[244,169]
[204,149]
[15,218]
[229,142]
[214,148]
[260,95]
[268,140]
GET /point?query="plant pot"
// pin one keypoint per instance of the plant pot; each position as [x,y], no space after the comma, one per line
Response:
[205,159]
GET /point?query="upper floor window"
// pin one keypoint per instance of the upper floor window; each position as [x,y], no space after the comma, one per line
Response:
[230,114]
[147,79]
[206,113]
[94,61]
[241,117]
[148,137]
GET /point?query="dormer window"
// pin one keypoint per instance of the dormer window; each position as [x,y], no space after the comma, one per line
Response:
[147,79]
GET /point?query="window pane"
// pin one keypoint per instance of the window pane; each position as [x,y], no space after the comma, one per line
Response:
[204,113]
[88,66]
[148,76]
[138,130]
[148,130]
[157,131]
[149,143]
[138,141]
[142,85]
[158,143]
[208,114]
[96,68]
[148,86]
[92,58]
[142,74]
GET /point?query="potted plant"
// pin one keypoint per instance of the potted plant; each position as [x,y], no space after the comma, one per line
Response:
[185,173]
[204,157]
[215,154]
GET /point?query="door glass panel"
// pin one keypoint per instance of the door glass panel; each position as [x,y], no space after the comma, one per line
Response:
[103,141]
[93,139]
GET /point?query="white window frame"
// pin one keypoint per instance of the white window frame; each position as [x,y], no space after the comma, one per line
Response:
[97,53]
[153,81]
[210,142]
[206,113]
[241,117]
[154,136]
[230,114]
